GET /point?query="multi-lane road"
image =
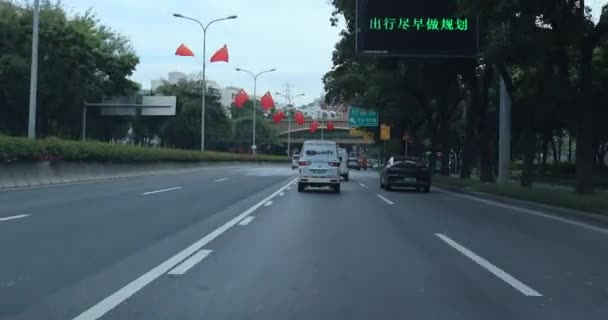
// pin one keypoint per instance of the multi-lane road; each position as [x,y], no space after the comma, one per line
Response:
[242,243]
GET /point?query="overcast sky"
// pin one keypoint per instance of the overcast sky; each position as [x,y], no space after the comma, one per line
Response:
[293,36]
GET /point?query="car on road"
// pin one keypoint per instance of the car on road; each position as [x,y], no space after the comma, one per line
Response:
[410,172]
[343,156]
[294,161]
[353,163]
[363,163]
[319,165]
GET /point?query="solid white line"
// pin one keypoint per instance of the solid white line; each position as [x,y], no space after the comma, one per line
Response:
[159,191]
[130,289]
[386,200]
[268,204]
[190,262]
[220,180]
[13,217]
[528,211]
[524,289]
[363,185]
[246,221]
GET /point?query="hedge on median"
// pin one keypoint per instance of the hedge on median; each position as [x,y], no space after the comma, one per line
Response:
[14,149]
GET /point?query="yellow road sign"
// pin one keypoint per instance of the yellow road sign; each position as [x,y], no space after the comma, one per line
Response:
[385,132]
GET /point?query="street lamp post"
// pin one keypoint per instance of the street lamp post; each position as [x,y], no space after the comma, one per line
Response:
[255,102]
[31,128]
[204,27]
[289,100]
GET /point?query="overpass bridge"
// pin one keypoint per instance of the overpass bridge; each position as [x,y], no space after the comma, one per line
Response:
[289,130]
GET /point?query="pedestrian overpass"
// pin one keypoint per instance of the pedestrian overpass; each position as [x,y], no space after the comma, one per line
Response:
[289,130]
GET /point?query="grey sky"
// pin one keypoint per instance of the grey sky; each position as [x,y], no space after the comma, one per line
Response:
[293,36]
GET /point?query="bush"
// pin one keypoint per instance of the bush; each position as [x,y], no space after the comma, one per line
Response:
[22,149]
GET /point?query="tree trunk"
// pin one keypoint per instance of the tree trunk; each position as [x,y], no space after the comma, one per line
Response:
[555,155]
[569,147]
[584,134]
[529,141]
[486,160]
[469,151]
[544,150]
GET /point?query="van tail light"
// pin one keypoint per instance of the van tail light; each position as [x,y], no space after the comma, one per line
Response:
[304,163]
[334,163]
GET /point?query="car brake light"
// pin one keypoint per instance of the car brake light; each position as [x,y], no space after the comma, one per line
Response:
[334,163]
[304,163]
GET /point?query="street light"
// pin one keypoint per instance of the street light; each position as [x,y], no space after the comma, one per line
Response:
[289,99]
[204,27]
[31,128]
[255,86]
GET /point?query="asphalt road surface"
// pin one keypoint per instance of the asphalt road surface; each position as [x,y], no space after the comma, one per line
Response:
[242,243]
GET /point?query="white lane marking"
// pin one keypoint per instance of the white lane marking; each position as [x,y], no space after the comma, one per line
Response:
[13,217]
[289,188]
[524,289]
[220,180]
[363,185]
[159,191]
[385,200]
[246,221]
[528,211]
[110,302]
[281,194]
[268,204]
[190,262]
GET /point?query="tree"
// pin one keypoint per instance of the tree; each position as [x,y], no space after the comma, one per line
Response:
[557,85]
[81,60]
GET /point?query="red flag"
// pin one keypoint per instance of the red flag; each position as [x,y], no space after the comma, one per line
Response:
[277,117]
[221,55]
[330,126]
[267,101]
[314,126]
[184,51]
[299,117]
[241,98]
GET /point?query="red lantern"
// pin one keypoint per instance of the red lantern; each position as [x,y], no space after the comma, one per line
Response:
[330,126]
[299,117]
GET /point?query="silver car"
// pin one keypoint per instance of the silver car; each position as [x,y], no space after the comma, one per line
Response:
[319,166]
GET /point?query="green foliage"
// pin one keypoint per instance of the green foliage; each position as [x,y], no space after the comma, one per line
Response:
[20,149]
[538,46]
[81,60]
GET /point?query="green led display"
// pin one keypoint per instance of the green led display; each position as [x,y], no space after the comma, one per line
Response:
[418,24]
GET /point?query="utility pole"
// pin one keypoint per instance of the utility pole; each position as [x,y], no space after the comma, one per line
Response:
[31,128]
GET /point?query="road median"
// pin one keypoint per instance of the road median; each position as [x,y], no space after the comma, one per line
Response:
[27,163]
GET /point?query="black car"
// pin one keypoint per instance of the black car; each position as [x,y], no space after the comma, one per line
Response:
[406,172]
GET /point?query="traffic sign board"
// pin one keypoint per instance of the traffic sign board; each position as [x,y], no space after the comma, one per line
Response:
[385,132]
[362,118]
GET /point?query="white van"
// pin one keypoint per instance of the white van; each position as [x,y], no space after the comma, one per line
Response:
[319,165]
[343,156]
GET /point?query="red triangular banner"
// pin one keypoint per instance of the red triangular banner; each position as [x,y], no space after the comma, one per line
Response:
[221,55]
[241,98]
[184,51]
[267,101]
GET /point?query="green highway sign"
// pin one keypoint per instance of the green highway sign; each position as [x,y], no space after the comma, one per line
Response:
[362,118]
